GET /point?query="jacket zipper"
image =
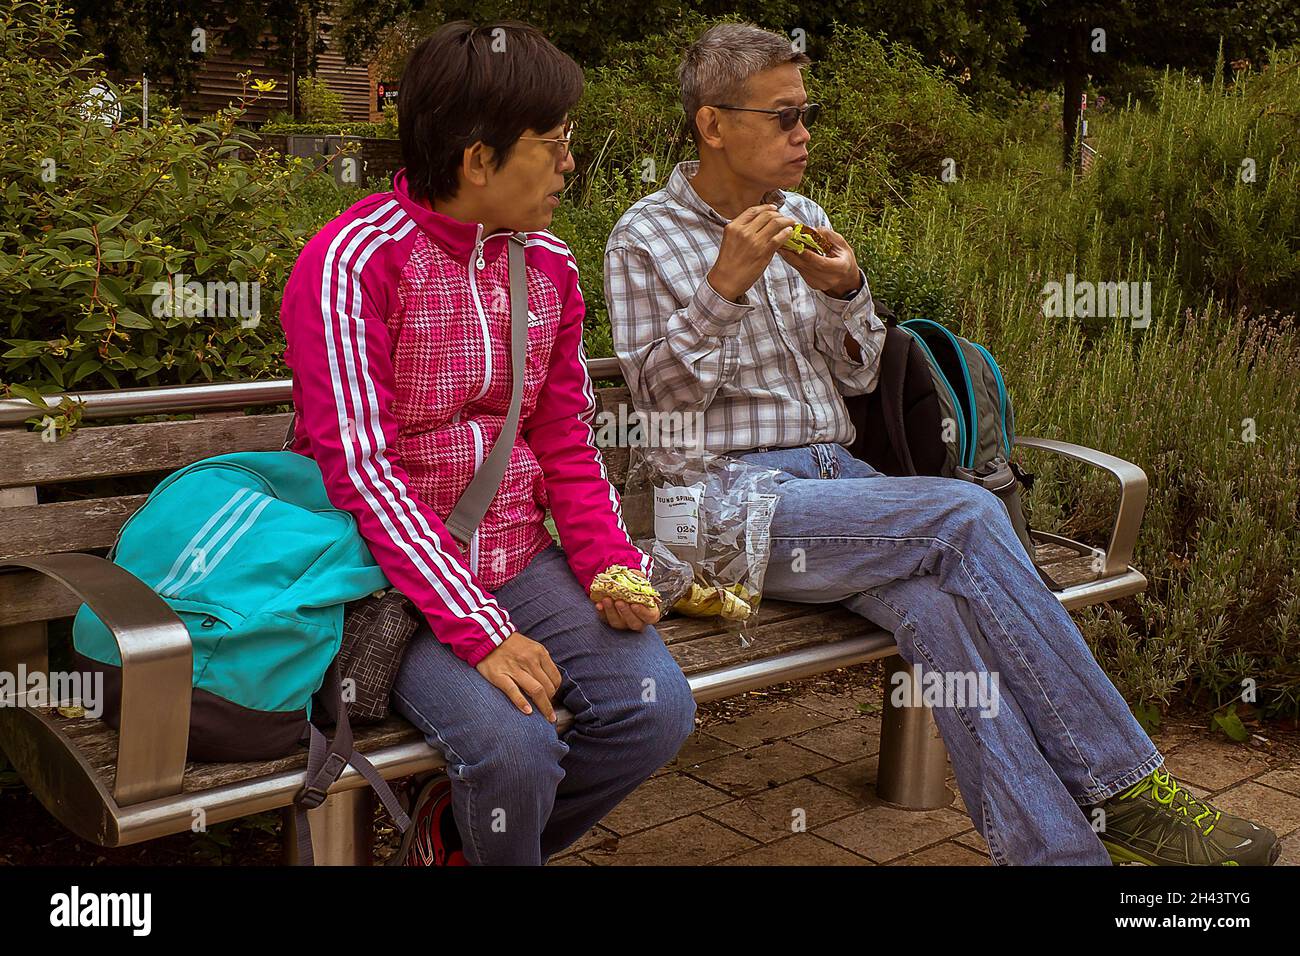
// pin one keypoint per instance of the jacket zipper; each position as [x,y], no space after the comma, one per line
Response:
[478,461]
[476,265]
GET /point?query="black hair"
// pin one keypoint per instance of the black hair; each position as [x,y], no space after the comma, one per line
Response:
[466,83]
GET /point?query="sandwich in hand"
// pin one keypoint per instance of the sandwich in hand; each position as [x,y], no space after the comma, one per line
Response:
[804,237]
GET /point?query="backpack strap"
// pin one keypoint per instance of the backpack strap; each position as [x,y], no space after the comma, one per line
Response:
[893,372]
[288,438]
[326,761]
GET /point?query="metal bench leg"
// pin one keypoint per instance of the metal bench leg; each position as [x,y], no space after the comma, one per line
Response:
[342,830]
[913,760]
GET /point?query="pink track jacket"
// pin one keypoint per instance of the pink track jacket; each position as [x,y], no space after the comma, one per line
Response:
[397,323]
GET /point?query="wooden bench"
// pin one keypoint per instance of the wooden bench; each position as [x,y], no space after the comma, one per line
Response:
[122,789]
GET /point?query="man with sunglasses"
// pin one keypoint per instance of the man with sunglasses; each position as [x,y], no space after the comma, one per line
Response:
[710,314]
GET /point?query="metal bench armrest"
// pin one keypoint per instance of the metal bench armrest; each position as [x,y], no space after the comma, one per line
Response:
[157,670]
[1132,497]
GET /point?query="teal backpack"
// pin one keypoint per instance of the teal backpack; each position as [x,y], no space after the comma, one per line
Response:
[257,563]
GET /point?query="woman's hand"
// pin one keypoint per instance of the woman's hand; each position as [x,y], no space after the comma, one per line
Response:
[610,591]
[520,666]
[629,617]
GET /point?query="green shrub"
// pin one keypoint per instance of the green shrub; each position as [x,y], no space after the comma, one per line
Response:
[97,218]
[317,103]
[293,128]
[630,126]
[889,120]
[1171,180]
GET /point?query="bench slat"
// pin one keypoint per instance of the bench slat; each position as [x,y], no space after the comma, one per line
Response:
[678,628]
[65,525]
[28,596]
[97,741]
[1072,568]
[112,450]
[132,449]
[767,640]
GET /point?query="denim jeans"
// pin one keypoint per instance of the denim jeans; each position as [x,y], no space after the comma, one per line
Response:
[936,562]
[520,792]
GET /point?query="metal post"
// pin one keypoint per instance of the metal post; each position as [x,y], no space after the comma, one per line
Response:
[342,830]
[913,760]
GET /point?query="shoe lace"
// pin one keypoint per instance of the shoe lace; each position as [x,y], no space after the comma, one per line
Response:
[1166,791]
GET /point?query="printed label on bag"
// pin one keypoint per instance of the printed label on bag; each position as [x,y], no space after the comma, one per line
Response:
[677,514]
[758,525]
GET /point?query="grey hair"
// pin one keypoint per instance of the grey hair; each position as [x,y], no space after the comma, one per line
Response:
[717,66]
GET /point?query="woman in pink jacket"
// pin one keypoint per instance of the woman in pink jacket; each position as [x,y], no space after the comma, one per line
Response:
[397,322]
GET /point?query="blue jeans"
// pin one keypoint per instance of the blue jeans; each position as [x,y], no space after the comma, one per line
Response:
[520,792]
[936,562]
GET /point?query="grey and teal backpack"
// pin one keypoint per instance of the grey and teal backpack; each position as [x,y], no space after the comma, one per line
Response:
[257,563]
[941,407]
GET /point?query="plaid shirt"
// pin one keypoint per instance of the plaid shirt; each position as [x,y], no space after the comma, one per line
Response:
[767,372]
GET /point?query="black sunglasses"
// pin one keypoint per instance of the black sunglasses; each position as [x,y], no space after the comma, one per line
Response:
[787,117]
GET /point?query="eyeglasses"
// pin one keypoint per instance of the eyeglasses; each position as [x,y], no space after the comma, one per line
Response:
[788,117]
[564,142]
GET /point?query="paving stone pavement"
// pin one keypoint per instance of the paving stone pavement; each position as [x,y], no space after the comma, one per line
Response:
[787,777]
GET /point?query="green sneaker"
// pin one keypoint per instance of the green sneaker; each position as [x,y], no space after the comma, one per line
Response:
[1158,822]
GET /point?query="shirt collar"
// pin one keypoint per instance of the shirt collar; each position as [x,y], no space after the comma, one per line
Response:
[458,239]
[679,188]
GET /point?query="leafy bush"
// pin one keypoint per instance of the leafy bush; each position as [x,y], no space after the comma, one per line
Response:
[630,126]
[284,124]
[293,128]
[1207,183]
[889,120]
[97,214]
[317,102]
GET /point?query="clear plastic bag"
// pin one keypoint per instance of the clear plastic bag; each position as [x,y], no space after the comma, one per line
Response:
[712,512]
[672,577]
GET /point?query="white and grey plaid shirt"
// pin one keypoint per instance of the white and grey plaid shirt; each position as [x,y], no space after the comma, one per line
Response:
[767,372]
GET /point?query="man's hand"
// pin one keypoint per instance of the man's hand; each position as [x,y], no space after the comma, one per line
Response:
[520,666]
[622,614]
[748,243]
[835,274]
